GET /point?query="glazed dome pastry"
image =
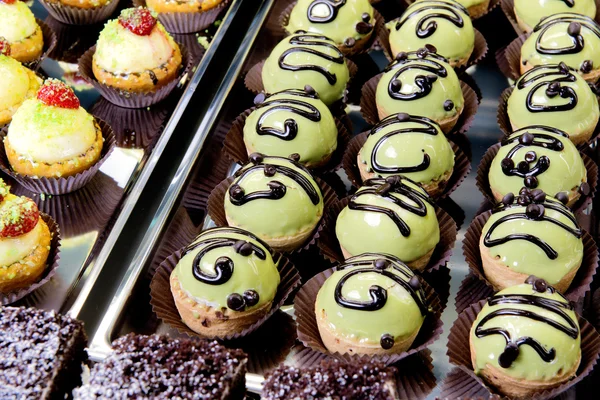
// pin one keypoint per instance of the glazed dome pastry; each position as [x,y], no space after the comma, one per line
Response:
[135,53]
[19,27]
[530,12]
[225,281]
[444,24]
[538,157]
[414,147]
[277,199]
[292,121]
[555,96]
[349,23]
[191,6]
[307,59]
[421,83]
[390,216]
[531,234]
[476,8]
[571,38]
[526,339]
[52,135]
[373,304]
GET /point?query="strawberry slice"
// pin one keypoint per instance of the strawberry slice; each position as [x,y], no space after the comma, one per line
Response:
[8,1]
[4,47]
[18,216]
[137,20]
[58,94]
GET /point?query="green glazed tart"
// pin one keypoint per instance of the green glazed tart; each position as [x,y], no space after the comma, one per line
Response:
[275,198]
[225,281]
[349,23]
[571,38]
[531,234]
[307,59]
[292,121]
[530,12]
[538,157]
[390,216]
[444,24]
[421,83]
[373,304]
[526,339]
[555,96]
[411,146]
[476,8]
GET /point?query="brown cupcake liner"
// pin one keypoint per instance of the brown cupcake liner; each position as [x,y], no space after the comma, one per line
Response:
[455,211]
[458,385]
[459,352]
[493,4]
[509,58]
[330,247]
[483,182]
[126,99]
[51,265]
[594,313]
[79,16]
[439,279]
[72,40]
[580,285]
[308,330]
[49,44]
[190,42]
[58,186]
[471,290]
[462,165]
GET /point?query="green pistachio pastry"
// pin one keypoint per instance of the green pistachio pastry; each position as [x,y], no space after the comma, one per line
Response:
[292,121]
[228,268]
[392,216]
[530,12]
[470,3]
[307,59]
[444,24]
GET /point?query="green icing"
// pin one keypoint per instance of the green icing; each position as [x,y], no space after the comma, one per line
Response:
[528,364]
[531,11]
[310,51]
[469,3]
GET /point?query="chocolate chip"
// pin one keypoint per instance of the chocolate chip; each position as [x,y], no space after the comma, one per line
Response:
[523,167]
[509,355]
[531,182]
[236,192]
[364,27]
[238,245]
[523,200]
[448,105]
[585,189]
[236,302]
[587,66]
[365,17]
[530,156]
[431,48]
[538,196]
[535,211]
[270,170]
[349,42]
[295,157]
[396,85]
[525,191]
[526,139]
[310,90]
[414,283]
[553,89]
[251,298]
[401,56]
[574,29]
[387,341]
[256,158]
[564,68]
[422,52]
[562,197]
[259,99]
[538,284]
[507,164]
[277,188]
[394,180]
[508,199]
[402,117]
[381,264]
[246,249]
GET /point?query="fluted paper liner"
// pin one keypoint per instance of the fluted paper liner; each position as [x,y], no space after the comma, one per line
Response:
[51,265]
[308,330]
[72,40]
[459,351]
[439,279]
[79,16]
[493,4]
[195,197]
[509,58]
[60,185]
[49,44]
[471,290]
[126,99]
[458,385]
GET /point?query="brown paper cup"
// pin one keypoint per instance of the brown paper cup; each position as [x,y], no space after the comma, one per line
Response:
[195,198]
[49,44]
[471,290]
[439,279]
[52,264]
[509,58]
[460,385]
[60,185]
[130,99]
[79,16]
[72,40]
[493,4]
[308,331]
[459,351]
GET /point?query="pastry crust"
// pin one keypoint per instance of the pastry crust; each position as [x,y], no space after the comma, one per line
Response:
[56,170]
[478,10]
[576,137]
[34,84]
[84,4]
[445,124]
[574,195]
[416,265]
[462,62]
[28,49]
[591,76]
[29,270]
[170,6]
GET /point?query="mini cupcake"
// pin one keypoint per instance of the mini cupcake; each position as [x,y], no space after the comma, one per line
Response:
[529,12]
[476,8]
[526,339]
[307,59]
[225,281]
[411,146]
[373,304]
[277,199]
[19,27]
[571,38]
[531,234]
[554,96]
[538,157]
[421,83]
[444,24]
[390,216]
[52,135]
[194,6]
[349,23]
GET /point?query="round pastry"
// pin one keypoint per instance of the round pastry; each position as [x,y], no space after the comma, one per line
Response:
[555,96]
[476,8]
[530,12]
[17,84]
[414,147]
[538,157]
[373,304]
[444,24]
[52,135]
[390,216]
[526,339]
[83,4]
[571,38]
[307,59]
[19,27]
[292,121]
[225,281]
[277,199]
[135,53]
[191,6]
[349,23]
[421,83]
[531,234]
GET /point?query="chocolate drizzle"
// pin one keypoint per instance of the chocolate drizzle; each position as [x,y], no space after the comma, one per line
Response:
[573,23]
[427,25]
[551,79]
[333,7]
[569,3]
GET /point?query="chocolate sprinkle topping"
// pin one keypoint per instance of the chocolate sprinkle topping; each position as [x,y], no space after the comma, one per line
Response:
[386,341]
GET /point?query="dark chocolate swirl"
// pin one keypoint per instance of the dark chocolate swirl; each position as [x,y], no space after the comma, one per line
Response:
[551,79]
[569,3]
[426,26]
[333,7]
[573,23]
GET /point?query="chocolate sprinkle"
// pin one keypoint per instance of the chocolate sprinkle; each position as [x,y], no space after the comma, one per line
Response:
[508,199]
[236,302]
[562,197]
[386,341]
[587,66]
[366,17]
[364,27]
[448,105]
[349,42]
